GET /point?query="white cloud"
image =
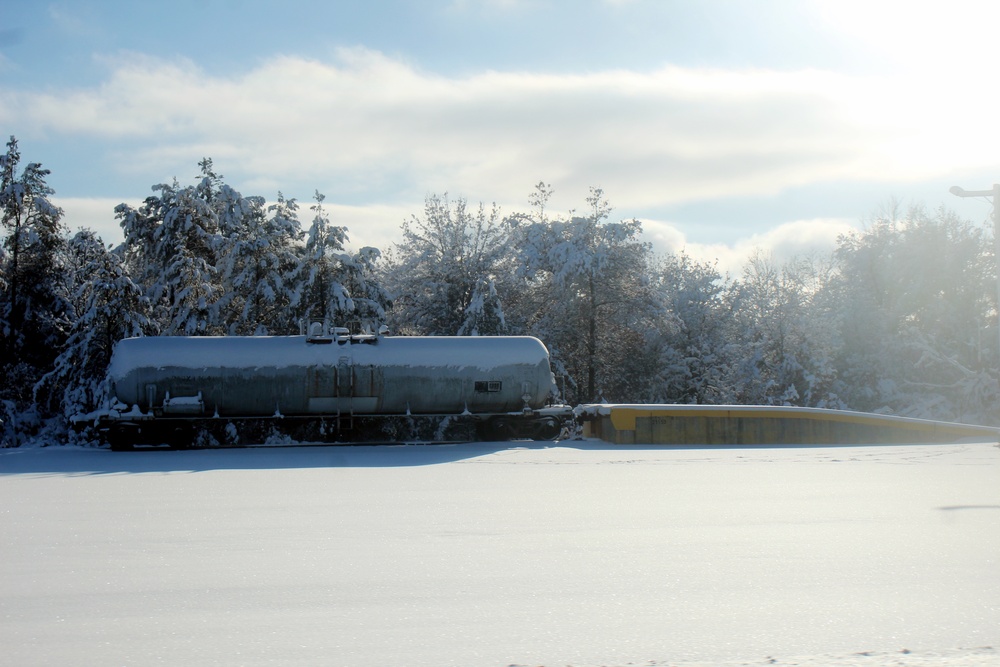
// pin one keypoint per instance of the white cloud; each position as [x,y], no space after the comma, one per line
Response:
[368,124]
[376,225]
[795,239]
[376,135]
[96,214]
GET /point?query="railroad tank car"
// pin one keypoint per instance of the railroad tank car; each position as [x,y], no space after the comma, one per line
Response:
[502,383]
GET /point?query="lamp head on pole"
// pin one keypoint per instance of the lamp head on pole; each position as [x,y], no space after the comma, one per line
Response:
[962,192]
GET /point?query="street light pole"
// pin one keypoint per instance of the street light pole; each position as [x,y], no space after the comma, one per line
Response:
[995,195]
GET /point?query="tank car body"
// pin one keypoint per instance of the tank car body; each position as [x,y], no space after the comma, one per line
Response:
[171,381]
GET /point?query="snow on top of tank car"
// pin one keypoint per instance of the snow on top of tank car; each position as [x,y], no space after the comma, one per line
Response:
[248,352]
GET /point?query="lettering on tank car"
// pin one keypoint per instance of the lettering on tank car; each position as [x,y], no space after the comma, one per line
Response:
[488,386]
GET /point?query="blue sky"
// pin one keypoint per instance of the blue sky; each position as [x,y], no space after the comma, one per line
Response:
[722,125]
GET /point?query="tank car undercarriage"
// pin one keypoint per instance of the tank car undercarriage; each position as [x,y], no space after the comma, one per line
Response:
[180,433]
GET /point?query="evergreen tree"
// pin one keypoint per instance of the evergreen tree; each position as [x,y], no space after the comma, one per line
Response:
[484,315]
[171,242]
[109,307]
[370,298]
[257,264]
[189,292]
[323,297]
[35,310]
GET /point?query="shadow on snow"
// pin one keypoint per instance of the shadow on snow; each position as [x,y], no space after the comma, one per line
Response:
[98,461]
[68,460]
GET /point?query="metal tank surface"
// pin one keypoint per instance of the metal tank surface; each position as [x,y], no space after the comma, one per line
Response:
[177,380]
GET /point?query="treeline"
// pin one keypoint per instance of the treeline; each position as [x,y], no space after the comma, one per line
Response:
[901,318]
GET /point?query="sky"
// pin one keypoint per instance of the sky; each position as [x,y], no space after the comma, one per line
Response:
[723,125]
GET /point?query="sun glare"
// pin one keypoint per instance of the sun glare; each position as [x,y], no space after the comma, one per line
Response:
[932,80]
[951,38]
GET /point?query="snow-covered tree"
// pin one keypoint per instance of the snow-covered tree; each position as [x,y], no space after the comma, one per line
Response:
[323,296]
[370,298]
[441,272]
[695,341]
[189,291]
[484,315]
[786,337]
[34,308]
[171,241]
[109,306]
[916,297]
[591,281]
[257,264]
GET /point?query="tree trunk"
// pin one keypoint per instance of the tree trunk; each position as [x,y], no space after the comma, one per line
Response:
[592,343]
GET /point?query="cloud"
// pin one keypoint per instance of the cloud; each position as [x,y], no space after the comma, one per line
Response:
[373,225]
[365,123]
[376,134]
[785,242]
[93,213]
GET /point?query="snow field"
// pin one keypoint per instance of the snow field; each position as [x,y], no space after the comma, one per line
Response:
[499,554]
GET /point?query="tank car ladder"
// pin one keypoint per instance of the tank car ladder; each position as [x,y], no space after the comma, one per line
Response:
[345,390]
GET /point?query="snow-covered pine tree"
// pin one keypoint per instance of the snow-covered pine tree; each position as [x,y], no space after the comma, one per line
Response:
[257,263]
[109,306]
[138,249]
[370,298]
[34,307]
[321,295]
[171,241]
[484,315]
[187,243]
[34,304]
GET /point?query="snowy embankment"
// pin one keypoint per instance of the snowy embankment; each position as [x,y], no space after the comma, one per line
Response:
[499,554]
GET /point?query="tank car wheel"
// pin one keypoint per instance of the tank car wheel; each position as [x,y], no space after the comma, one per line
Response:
[547,428]
[499,428]
[121,439]
[120,443]
[180,437]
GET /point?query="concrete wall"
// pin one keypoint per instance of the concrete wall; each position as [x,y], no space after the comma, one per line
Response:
[764,425]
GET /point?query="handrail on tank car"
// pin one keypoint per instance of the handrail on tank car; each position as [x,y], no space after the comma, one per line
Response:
[318,336]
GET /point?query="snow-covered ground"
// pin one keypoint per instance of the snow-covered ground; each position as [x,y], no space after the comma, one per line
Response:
[576,553]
